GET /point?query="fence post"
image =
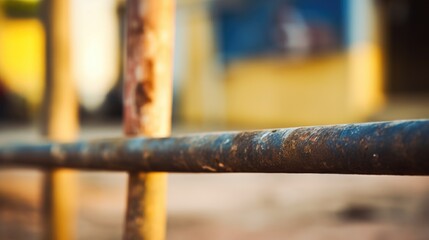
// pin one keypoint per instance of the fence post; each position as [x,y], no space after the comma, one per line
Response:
[59,121]
[147,103]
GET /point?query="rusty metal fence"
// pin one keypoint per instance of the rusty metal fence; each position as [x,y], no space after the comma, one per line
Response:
[393,148]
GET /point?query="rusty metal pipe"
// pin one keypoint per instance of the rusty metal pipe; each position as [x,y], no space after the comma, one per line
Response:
[397,148]
[147,107]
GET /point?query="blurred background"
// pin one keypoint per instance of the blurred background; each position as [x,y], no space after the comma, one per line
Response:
[238,64]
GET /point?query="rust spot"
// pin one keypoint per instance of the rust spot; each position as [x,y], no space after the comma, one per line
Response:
[208,168]
[146,154]
[57,153]
[142,95]
[149,75]
[136,27]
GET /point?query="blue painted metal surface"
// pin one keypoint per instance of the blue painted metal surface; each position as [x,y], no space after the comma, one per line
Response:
[398,148]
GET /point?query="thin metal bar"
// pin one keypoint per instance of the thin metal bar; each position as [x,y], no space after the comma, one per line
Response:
[397,148]
[147,104]
[60,121]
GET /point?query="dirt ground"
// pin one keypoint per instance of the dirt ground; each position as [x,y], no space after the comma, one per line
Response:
[237,206]
[231,206]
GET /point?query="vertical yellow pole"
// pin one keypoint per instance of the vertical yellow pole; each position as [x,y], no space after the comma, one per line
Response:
[148,103]
[61,120]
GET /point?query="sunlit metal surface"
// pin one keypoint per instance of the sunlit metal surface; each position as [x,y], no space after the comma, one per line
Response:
[398,148]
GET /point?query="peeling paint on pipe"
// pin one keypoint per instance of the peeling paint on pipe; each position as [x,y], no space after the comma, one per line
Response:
[393,148]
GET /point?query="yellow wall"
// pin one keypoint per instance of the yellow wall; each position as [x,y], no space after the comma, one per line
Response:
[276,92]
[339,88]
[22,61]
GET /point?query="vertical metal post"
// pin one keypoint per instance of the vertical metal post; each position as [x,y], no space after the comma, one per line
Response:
[148,103]
[60,120]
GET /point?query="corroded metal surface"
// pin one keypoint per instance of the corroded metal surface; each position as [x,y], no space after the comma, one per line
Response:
[399,147]
[147,108]
[148,67]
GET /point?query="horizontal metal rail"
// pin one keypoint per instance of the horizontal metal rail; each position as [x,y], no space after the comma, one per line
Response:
[397,148]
